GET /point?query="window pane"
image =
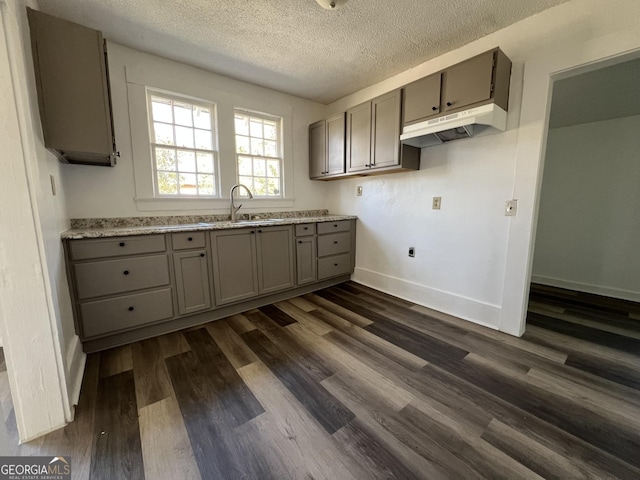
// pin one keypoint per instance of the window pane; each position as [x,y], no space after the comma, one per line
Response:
[248,181]
[257,147]
[256,128]
[242,125]
[273,168]
[163,133]
[206,185]
[202,118]
[244,166]
[182,113]
[242,144]
[203,139]
[270,131]
[161,110]
[270,149]
[186,161]
[184,137]
[167,183]
[205,162]
[188,184]
[259,186]
[259,167]
[273,187]
[165,159]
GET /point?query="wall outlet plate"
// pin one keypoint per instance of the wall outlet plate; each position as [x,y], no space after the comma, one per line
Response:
[511,208]
[359,190]
[437,203]
[412,251]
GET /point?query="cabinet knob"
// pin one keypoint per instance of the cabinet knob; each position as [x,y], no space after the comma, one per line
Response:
[434,108]
[306,228]
[335,264]
[190,239]
[126,272]
[299,241]
[335,225]
[259,231]
[253,231]
[122,244]
[335,242]
[202,254]
[131,309]
[367,165]
[449,104]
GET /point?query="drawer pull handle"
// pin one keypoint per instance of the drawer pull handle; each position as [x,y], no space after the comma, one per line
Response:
[131,309]
[202,254]
[122,244]
[190,239]
[126,272]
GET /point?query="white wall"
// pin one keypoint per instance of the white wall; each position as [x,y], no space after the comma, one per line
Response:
[111,192]
[44,358]
[471,261]
[588,225]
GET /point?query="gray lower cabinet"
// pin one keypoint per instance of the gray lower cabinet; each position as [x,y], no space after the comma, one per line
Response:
[235,265]
[128,288]
[193,288]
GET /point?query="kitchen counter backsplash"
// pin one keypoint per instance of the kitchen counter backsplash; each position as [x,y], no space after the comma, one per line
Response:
[123,222]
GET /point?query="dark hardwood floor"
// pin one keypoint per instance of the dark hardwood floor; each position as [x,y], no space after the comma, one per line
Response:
[350,383]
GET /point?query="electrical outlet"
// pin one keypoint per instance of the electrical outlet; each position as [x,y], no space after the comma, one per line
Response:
[437,202]
[359,190]
[412,251]
[511,208]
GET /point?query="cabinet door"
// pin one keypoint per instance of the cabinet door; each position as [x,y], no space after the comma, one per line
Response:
[73,90]
[421,99]
[385,135]
[305,260]
[359,137]
[275,258]
[468,82]
[235,265]
[335,145]
[317,149]
[192,281]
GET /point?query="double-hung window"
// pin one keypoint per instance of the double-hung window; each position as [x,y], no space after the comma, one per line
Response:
[259,153]
[183,146]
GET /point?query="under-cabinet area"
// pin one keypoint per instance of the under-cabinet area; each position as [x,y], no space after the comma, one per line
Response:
[126,288]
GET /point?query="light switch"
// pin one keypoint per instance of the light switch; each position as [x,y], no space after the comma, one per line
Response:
[511,208]
[437,202]
[359,190]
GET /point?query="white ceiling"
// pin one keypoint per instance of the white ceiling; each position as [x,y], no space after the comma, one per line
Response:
[604,94]
[295,46]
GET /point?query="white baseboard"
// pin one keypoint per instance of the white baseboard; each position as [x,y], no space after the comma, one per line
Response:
[76,359]
[469,309]
[587,288]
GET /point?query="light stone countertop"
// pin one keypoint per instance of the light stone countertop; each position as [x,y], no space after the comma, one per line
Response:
[105,232]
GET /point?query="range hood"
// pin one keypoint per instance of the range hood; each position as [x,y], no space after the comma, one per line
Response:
[454,126]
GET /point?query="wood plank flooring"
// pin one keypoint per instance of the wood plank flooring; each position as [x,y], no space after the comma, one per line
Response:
[351,383]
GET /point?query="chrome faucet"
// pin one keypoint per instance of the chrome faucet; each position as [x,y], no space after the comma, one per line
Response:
[233,208]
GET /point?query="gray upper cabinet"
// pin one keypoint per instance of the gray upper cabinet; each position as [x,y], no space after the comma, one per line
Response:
[359,137]
[327,147]
[72,81]
[235,265]
[192,281]
[478,81]
[422,99]
[373,137]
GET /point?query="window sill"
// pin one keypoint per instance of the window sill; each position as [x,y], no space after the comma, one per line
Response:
[153,204]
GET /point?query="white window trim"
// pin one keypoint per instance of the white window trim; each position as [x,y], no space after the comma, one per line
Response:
[138,79]
[149,92]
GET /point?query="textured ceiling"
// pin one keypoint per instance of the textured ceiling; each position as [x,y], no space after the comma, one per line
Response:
[296,46]
[604,94]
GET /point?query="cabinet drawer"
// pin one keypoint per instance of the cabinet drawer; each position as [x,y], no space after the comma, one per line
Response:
[331,227]
[115,247]
[183,241]
[334,244]
[305,229]
[95,279]
[333,266]
[120,313]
